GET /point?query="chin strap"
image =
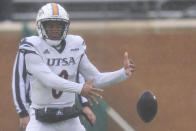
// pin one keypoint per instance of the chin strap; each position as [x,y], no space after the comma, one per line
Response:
[53,42]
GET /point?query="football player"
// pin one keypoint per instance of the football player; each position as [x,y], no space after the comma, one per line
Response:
[53,61]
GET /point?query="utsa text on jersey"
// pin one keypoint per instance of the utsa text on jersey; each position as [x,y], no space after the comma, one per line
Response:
[61,61]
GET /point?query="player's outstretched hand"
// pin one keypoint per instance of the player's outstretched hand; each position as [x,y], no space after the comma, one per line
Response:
[128,65]
[90,92]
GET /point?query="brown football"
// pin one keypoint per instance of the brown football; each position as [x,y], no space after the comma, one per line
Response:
[147,106]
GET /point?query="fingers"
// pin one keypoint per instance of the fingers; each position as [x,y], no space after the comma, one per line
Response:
[131,61]
[129,65]
[92,118]
[129,71]
[94,99]
[132,66]
[126,57]
[126,60]
[97,90]
[90,115]
[96,94]
[23,125]
[90,92]
[23,122]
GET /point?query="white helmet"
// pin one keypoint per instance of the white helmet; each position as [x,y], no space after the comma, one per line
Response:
[52,12]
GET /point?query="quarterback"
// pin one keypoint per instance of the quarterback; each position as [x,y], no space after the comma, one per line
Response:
[53,61]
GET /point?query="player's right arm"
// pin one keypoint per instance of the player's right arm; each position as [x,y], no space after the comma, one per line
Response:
[18,86]
[19,89]
[38,69]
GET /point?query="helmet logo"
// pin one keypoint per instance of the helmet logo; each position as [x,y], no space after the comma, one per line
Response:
[55,9]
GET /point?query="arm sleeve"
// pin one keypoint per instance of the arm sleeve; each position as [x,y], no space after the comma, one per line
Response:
[44,75]
[89,71]
[82,100]
[19,88]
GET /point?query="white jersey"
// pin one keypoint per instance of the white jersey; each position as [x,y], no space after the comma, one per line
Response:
[47,66]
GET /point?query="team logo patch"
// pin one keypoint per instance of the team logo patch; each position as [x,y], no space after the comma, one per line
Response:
[75,49]
[59,113]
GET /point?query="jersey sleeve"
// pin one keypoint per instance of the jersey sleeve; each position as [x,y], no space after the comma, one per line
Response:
[83,101]
[38,69]
[19,86]
[89,71]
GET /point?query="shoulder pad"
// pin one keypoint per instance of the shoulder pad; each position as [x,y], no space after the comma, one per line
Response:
[77,41]
[27,45]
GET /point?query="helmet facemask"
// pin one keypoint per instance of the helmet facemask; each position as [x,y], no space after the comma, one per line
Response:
[54,31]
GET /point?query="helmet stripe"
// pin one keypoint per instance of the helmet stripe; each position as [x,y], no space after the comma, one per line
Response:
[55,9]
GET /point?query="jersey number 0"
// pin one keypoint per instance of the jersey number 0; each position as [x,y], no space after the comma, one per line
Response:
[56,94]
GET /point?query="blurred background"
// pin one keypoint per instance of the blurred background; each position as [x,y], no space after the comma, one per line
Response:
[159,36]
[18,10]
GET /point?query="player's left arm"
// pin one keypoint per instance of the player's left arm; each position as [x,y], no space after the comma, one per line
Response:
[89,71]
